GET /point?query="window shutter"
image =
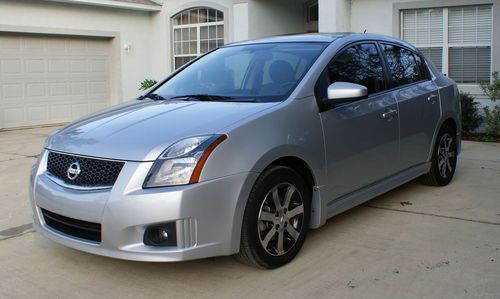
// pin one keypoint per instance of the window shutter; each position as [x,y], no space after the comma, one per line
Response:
[470,64]
[468,46]
[469,39]
[469,25]
[424,29]
[435,55]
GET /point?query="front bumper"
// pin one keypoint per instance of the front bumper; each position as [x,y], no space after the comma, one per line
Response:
[207,214]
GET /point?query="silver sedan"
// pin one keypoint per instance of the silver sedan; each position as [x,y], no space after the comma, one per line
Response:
[244,149]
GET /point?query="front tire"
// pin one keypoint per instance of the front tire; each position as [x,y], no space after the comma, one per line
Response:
[276,219]
[444,159]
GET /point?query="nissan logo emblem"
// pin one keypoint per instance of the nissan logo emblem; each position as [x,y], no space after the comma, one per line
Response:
[73,170]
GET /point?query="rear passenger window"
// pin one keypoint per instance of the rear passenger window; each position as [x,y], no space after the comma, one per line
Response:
[360,64]
[422,68]
[403,65]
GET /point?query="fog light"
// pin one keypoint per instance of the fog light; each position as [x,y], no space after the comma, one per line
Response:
[161,235]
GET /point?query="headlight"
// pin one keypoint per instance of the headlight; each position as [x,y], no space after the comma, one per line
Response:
[181,163]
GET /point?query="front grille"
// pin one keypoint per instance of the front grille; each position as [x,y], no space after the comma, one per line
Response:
[93,172]
[73,227]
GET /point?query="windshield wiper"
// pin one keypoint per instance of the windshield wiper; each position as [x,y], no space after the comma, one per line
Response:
[211,98]
[153,96]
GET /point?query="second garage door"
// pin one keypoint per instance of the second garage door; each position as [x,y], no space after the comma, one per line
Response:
[51,79]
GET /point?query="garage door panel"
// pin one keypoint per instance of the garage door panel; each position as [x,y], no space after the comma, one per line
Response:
[11,66]
[36,90]
[14,115]
[12,91]
[48,79]
[37,113]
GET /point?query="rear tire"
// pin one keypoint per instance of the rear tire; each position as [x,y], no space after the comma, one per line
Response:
[444,159]
[276,219]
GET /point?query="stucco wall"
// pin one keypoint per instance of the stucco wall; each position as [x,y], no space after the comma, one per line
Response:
[127,26]
[275,17]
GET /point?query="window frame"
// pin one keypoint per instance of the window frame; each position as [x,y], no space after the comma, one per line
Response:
[426,75]
[198,27]
[308,13]
[324,107]
[446,45]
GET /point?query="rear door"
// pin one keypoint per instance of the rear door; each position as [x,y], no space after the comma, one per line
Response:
[418,100]
[361,137]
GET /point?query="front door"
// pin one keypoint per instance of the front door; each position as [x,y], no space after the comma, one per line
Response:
[361,138]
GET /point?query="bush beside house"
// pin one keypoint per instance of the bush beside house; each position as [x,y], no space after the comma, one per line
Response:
[147,84]
[492,117]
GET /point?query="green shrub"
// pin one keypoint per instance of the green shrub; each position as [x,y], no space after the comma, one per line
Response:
[492,117]
[470,114]
[492,120]
[147,83]
[492,90]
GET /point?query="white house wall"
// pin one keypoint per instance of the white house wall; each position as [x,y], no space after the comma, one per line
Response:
[274,17]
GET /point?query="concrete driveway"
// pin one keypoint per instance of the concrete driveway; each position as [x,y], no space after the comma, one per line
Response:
[413,242]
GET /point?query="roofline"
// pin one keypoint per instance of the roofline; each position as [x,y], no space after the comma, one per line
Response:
[114,4]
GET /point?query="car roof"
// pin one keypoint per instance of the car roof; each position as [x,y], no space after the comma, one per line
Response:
[287,38]
[325,38]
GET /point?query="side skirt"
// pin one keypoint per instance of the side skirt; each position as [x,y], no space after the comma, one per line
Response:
[348,201]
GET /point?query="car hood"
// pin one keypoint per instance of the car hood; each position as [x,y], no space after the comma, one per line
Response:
[142,130]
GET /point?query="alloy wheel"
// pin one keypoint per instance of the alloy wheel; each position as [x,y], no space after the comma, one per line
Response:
[445,155]
[280,219]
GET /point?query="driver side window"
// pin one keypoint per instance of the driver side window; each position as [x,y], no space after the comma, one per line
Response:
[360,64]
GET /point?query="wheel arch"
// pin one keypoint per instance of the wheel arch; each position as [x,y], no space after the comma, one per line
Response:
[451,120]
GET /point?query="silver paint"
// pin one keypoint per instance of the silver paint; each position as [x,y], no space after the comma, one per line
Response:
[354,152]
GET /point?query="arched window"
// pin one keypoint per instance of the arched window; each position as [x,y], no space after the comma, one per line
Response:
[196,31]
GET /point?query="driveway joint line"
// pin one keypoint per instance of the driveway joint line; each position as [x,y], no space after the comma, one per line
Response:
[16,231]
[484,160]
[21,156]
[433,215]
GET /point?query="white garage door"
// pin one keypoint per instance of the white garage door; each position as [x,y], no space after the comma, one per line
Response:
[51,79]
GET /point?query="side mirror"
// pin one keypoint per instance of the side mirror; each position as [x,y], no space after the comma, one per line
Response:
[344,92]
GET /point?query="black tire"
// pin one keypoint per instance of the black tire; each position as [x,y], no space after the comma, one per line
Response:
[252,249]
[436,177]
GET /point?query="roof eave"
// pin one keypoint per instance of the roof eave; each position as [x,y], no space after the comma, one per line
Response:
[113,4]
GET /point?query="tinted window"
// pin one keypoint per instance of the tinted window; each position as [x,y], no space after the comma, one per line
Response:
[422,67]
[403,65]
[360,64]
[260,72]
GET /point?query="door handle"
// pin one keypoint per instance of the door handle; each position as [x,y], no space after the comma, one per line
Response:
[432,98]
[389,114]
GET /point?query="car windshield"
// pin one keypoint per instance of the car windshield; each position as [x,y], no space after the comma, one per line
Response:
[255,73]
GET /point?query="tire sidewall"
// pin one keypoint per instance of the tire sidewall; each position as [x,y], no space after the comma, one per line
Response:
[435,168]
[269,179]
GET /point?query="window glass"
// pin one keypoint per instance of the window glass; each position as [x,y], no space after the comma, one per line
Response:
[196,31]
[261,72]
[422,67]
[359,64]
[402,64]
[469,37]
